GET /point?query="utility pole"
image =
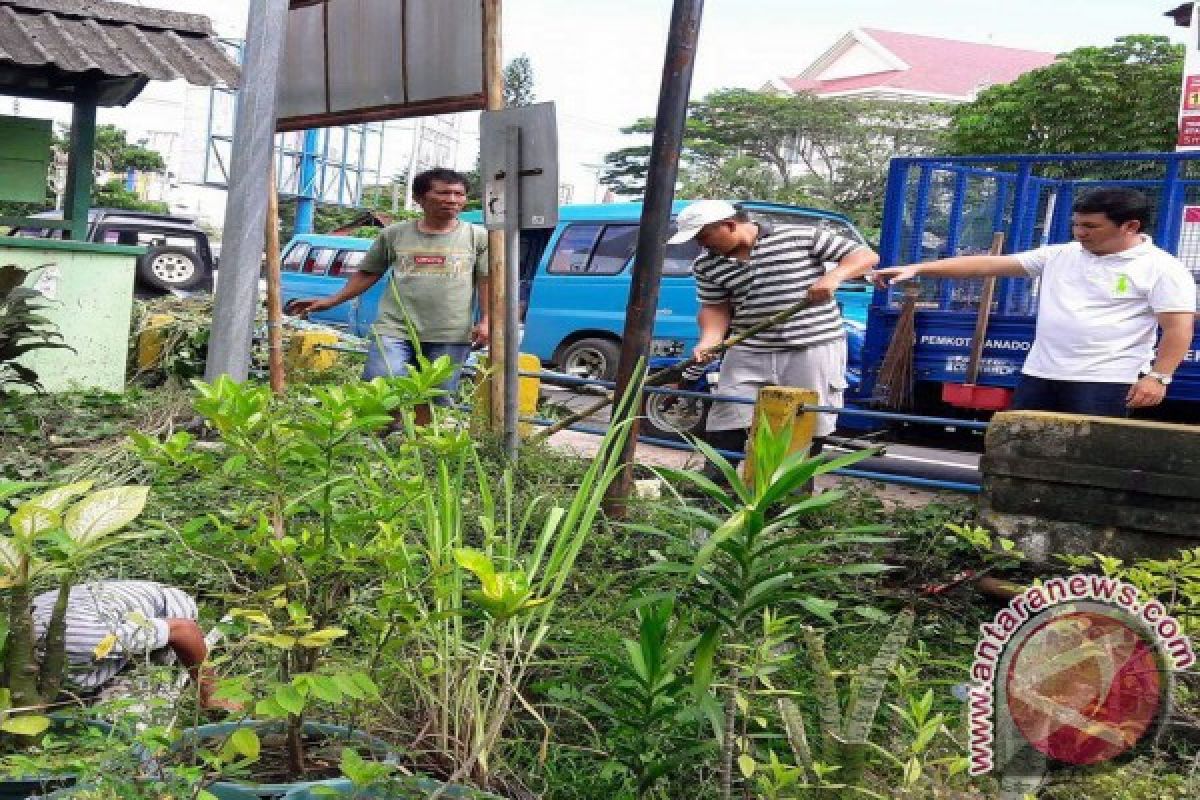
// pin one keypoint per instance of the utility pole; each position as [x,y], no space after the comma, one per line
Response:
[656,217]
[246,206]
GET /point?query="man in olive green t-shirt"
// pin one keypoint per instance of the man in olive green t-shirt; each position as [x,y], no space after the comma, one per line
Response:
[438,266]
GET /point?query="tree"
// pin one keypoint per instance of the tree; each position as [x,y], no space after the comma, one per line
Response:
[116,154]
[518,82]
[113,194]
[798,148]
[1120,98]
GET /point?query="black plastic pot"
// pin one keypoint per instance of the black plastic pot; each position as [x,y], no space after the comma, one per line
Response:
[313,790]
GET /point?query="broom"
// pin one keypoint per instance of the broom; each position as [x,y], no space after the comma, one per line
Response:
[894,389]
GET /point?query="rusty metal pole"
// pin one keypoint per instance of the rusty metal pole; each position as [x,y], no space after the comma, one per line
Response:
[498,298]
[656,217]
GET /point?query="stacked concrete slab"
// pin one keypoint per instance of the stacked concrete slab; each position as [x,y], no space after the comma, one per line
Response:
[1063,483]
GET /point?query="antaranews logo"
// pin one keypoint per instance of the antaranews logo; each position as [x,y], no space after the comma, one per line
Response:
[1080,669]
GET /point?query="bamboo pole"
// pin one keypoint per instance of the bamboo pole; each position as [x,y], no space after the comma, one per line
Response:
[498,298]
[662,376]
[274,294]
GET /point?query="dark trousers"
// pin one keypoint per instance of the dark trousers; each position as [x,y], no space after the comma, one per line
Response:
[1072,397]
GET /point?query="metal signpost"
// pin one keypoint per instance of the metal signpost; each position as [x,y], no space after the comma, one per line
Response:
[519,161]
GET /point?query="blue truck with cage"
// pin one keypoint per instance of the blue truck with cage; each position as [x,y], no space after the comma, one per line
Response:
[937,207]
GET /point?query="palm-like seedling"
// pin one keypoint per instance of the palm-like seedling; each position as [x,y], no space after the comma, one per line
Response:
[757,553]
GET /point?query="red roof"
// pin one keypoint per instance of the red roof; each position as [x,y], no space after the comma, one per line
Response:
[937,66]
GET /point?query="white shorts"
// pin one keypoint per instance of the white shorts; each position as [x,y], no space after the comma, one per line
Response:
[743,372]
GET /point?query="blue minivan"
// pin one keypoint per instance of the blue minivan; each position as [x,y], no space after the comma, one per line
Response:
[574,286]
[574,282]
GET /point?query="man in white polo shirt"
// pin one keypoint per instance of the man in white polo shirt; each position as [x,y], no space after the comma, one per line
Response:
[1101,302]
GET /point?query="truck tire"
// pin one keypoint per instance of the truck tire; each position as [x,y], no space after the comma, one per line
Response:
[173,268]
[592,358]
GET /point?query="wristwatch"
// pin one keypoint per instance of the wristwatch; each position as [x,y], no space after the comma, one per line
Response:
[1162,378]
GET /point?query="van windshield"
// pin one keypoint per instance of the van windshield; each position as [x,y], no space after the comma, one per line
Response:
[835,226]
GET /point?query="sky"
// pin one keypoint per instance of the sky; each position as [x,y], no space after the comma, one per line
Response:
[601,61]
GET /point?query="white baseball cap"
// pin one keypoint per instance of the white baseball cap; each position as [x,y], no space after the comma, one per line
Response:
[698,214]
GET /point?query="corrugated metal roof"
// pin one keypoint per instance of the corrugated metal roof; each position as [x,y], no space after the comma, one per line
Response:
[49,48]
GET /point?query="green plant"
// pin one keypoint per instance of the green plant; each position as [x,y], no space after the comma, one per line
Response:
[54,534]
[464,653]
[23,329]
[304,541]
[845,730]
[648,700]
[997,551]
[1174,581]
[916,762]
[756,555]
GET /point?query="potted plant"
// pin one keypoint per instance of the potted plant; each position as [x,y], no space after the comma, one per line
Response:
[54,535]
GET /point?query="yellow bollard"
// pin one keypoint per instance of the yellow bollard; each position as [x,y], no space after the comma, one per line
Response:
[528,390]
[305,351]
[151,340]
[777,406]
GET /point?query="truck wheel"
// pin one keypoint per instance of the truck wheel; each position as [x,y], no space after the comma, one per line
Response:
[594,359]
[172,268]
[668,417]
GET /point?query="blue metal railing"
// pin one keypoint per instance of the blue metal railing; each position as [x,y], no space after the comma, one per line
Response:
[883,477]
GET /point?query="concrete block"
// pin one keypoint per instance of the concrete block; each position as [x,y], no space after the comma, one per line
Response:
[1073,484]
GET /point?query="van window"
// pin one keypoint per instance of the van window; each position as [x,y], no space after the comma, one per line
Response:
[573,250]
[613,251]
[295,257]
[318,261]
[347,262]
[679,257]
[142,237]
[835,226]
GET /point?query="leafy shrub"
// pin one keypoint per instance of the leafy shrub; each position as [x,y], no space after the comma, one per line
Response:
[23,329]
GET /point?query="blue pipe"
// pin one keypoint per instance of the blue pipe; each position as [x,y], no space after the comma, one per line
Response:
[306,197]
[946,421]
[882,477]
[909,480]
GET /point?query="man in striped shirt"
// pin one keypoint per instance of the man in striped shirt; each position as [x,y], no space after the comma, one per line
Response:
[751,271]
[110,623]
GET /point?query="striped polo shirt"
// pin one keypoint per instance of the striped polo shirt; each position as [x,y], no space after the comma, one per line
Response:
[134,613]
[784,262]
